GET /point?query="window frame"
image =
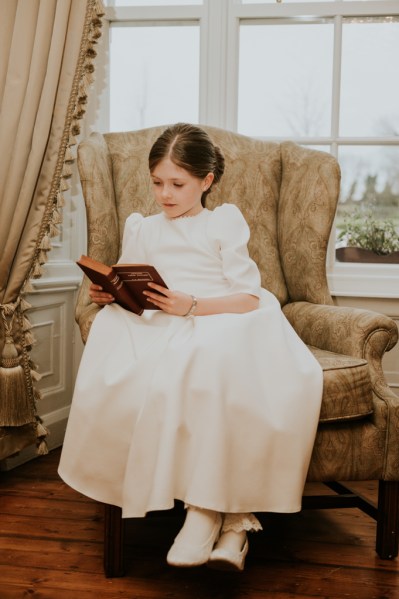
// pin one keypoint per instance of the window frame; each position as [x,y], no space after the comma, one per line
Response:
[219,23]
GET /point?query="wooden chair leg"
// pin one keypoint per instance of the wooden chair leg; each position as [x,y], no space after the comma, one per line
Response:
[388,519]
[113,541]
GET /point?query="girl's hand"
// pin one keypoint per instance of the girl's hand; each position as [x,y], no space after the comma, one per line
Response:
[99,296]
[171,302]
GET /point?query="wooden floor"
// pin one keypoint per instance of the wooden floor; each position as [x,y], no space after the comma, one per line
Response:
[51,548]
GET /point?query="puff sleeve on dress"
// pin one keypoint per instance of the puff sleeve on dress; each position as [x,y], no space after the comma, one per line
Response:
[229,227]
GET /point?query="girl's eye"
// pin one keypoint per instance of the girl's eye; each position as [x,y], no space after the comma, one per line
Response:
[156,183]
[178,184]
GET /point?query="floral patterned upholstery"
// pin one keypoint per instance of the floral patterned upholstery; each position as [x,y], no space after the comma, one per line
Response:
[288,195]
[347,391]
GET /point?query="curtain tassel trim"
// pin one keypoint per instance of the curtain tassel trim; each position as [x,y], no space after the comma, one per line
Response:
[17,403]
[61,181]
[17,372]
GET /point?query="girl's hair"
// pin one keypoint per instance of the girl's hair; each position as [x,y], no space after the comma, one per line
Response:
[191,148]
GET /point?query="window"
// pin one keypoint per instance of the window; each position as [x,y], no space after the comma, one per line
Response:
[323,75]
[290,94]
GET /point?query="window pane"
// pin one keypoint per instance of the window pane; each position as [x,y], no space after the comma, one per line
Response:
[284,85]
[370,82]
[370,183]
[153,81]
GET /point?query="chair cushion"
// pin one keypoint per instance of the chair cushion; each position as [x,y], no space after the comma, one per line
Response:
[347,392]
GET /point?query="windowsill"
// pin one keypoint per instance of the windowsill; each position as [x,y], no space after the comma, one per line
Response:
[364,280]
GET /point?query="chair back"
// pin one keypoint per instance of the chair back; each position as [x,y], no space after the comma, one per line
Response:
[287,193]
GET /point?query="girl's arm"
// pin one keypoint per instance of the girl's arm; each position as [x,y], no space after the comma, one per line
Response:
[179,303]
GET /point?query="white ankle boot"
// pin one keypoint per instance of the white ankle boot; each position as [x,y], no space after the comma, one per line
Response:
[194,543]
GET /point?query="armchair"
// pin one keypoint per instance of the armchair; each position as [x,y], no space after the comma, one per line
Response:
[288,195]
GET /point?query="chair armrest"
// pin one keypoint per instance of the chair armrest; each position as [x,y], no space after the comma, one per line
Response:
[350,331]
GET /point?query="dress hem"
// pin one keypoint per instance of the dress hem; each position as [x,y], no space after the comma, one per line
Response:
[126,513]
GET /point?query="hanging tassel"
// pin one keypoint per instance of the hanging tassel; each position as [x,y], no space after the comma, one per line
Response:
[28,287]
[82,99]
[66,171]
[99,8]
[42,448]
[95,35]
[24,304]
[41,431]
[69,157]
[54,230]
[26,324]
[96,22]
[15,407]
[43,258]
[45,243]
[89,77]
[91,53]
[64,185]
[75,130]
[37,271]
[56,217]
[36,376]
[60,200]
[79,114]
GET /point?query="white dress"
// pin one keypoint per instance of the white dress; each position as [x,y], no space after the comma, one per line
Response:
[218,411]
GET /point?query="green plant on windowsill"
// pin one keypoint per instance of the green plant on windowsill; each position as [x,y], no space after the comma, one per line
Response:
[360,229]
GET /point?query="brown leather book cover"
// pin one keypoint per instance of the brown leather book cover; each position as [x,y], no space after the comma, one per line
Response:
[126,282]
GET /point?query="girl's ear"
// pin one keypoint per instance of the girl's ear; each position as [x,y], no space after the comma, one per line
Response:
[207,182]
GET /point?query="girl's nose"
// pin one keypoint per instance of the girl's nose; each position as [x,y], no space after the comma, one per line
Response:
[166,191]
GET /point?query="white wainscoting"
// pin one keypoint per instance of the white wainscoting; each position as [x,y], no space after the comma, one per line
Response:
[57,352]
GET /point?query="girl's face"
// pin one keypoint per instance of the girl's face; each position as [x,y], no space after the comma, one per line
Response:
[176,191]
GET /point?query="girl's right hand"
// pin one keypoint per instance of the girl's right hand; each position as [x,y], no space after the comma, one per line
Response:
[98,296]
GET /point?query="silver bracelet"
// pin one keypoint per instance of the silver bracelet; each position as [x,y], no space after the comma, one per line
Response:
[192,307]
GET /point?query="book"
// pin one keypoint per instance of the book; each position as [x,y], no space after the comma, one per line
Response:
[126,282]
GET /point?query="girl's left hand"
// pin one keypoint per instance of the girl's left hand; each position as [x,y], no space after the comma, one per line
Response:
[171,302]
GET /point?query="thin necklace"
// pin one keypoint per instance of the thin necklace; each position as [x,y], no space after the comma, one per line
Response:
[188,215]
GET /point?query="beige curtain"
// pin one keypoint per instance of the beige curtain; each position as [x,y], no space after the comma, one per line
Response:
[46,65]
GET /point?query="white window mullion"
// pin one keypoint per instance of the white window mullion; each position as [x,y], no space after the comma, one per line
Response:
[335,106]
[213,69]
[336,84]
[232,67]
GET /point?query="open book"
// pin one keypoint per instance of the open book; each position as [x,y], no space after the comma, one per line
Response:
[126,282]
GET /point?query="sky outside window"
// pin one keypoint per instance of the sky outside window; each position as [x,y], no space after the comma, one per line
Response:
[284,84]
[154,76]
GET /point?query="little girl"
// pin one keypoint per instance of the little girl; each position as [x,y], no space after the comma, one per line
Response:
[212,399]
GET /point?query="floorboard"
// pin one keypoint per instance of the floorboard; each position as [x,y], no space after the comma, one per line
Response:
[51,548]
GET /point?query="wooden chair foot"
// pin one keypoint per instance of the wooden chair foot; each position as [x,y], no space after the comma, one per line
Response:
[386,514]
[113,542]
[388,519]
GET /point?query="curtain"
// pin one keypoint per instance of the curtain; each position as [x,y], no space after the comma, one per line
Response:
[47,52]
